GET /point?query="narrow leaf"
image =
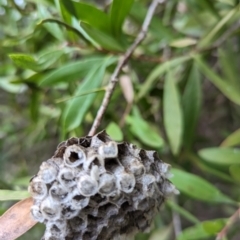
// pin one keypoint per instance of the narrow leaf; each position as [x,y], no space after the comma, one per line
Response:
[229,66]
[24,61]
[17,220]
[235,172]
[118,13]
[81,95]
[225,87]
[192,98]
[114,131]
[222,156]
[157,72]
[105,40]
[184,213]
[77,107]
[157,27]
[88,14]
[7,195]
[232,140]
[53,29]
[172,111]
[60,23]
[202,230]
[165,232]
[198,188]
[209,169]
[181,43]
[34,105]
[206,40]
[47,59]
[144,132]
[70,72]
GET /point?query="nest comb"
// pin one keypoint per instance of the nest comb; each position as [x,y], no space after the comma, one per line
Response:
[95,188]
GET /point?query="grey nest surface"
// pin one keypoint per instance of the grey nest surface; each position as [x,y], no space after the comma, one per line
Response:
[95,188]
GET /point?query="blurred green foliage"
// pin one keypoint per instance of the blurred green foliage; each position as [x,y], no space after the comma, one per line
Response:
[55,61]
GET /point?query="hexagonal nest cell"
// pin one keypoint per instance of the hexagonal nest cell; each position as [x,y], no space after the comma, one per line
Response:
[95,188]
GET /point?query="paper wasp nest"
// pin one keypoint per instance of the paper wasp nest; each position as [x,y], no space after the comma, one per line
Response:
[95,188]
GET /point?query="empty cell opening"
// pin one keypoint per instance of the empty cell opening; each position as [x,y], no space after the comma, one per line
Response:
[78,197]
[73,157]
[111,164]
[96,199]
[85,142]
[89,235]
[76,223]
[126,207]
[123,149]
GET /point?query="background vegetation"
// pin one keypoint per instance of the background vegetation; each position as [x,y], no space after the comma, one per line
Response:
[179,94]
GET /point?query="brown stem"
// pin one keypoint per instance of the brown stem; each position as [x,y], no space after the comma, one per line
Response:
[231,220]
[122,60]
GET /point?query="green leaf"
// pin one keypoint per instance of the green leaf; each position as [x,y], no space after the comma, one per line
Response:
[210,6]
[222,156]
[60,23]
[103,39]
[70,72]
[181,43]
[229,67]
[43,62]
[96,90]
[88,14]
[202,230]
[198,188]
[165,232]
[77,107]
[225,87]
[53,29]
[144,132]
[232,140]
[235,172]
[25,61]
[191,101]
[213,227]
[7,195]
[118,13]
[157,28]
[8,86]
[34,105]
[114,131]
[207,40]
[172,114]
[187,215]
[209,169]
[47,59]
[157,72]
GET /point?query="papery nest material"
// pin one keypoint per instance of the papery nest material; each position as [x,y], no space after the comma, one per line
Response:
[95,188]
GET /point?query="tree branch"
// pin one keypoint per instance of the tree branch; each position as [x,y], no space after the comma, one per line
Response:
[122,60]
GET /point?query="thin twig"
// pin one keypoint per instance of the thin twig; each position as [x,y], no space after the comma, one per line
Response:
[121,62]
[177,226]
[231,221]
